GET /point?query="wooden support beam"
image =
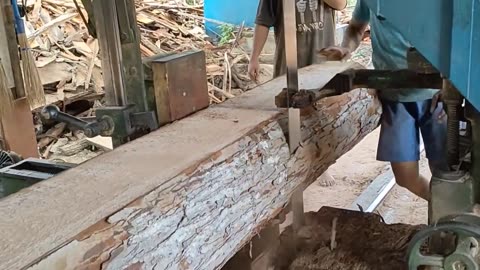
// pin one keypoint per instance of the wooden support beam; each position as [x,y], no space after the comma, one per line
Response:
[18,131]
[4,53]
[189,195]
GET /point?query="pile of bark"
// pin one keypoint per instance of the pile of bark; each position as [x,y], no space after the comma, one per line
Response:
[338,239]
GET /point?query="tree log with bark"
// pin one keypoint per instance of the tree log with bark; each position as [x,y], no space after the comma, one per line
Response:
[189,195]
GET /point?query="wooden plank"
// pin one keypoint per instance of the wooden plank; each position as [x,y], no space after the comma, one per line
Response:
[104,143]
[55,72]
[161,201]
[180,84]
[19,130]
[4,53]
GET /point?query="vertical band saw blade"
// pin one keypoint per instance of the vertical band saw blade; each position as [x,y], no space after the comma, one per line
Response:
[290,31]
[294,125]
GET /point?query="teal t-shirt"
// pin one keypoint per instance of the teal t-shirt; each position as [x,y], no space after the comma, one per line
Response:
[389,52]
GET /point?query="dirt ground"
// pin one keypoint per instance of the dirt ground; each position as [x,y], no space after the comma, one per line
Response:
[353,173]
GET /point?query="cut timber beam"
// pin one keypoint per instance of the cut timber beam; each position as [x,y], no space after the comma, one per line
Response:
[189,195]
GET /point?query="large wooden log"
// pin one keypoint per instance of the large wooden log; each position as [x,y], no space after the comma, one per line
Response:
[189,195]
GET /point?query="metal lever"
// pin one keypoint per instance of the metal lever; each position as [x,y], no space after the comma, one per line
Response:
[386,80]
[91,129]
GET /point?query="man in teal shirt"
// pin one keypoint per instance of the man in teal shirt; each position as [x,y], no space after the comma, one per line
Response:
[406,112]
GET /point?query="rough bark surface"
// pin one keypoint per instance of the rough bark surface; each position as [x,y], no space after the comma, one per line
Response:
[198,217]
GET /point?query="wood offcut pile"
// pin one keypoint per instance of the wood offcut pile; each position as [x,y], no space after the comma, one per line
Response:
[337,239]
[68,58]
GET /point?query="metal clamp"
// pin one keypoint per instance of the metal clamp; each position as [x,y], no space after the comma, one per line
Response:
[104,126]
[386,80]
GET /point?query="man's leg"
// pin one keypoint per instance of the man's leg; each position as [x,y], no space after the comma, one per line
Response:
[407,176]
[399,144]
[434,133]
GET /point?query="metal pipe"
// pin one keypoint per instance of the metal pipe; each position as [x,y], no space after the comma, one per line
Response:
[51,112]
[110,47]
[473,117]
[91,129]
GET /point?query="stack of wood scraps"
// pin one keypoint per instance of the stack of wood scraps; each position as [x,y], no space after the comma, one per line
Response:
[173,26]
[72,148]
[66,56]
[69,59]
[62,144]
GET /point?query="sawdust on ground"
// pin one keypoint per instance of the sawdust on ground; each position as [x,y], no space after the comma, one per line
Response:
[341,239]
[352,173]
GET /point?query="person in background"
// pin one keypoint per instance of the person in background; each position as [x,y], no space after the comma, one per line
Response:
[316,27]
[406,112]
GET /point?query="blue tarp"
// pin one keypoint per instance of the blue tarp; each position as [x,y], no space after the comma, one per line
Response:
[229,11]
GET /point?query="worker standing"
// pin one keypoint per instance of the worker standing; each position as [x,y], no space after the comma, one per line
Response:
[316,26]
[315,31]
[406,112]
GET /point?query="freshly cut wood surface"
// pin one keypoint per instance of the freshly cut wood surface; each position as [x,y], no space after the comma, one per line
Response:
[104,143]
[189,195]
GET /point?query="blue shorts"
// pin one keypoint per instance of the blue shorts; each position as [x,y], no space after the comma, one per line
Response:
[401,125]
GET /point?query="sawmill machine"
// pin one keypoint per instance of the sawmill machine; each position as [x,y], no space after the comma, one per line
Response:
[445,55]
[445,38]
[141,94]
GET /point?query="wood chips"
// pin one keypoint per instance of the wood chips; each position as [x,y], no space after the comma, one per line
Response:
[362,241]
[68,58]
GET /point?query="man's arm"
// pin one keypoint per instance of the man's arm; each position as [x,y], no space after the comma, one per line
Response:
[351,40]
[259,38]
[337,4]
[353,35]
[266,18]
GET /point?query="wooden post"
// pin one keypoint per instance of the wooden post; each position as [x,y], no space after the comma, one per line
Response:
[4,54]
[180,84]
[18,128]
